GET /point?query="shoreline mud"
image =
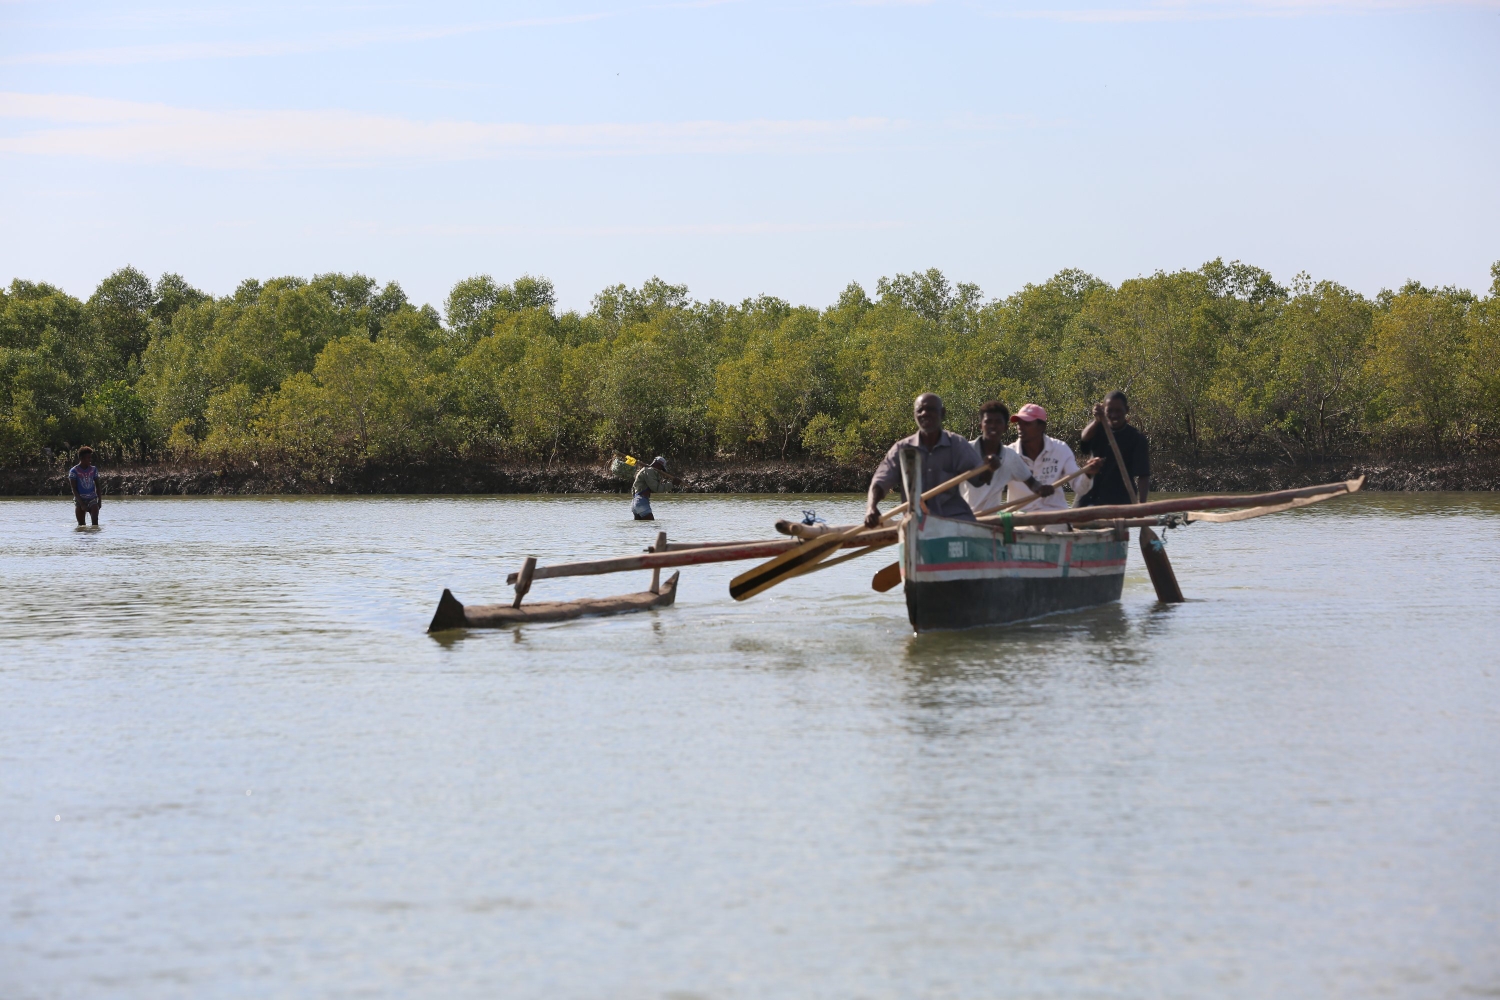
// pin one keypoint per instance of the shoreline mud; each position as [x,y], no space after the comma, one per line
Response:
[1461,474]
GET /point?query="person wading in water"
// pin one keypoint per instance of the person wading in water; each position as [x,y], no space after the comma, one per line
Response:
[83,480]
[652,479]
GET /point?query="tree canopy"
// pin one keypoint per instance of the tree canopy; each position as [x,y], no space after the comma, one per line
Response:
[339,371]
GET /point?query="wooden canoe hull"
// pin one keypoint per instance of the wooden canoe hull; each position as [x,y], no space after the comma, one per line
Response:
[453,614]
[959,574]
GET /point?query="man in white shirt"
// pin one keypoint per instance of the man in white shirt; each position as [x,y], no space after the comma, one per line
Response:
[994,428]
[1046,460]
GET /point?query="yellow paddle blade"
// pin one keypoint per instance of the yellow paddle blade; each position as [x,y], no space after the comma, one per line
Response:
[790,563]
[886,578]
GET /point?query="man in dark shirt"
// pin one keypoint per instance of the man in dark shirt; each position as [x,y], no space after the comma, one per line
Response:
[1109,485]
[944,455]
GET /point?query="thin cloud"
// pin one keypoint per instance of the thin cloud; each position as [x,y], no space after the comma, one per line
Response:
[1215,10]
[126,131]
[670,229]
[127,55]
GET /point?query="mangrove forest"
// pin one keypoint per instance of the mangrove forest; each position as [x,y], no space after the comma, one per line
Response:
[339,373]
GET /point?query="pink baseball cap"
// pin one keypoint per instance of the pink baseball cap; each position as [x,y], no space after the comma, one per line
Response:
[1028,413]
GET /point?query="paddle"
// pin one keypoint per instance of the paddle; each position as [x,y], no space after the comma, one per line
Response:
[888,576]
[1017,504]
[809,554]
[1152,550]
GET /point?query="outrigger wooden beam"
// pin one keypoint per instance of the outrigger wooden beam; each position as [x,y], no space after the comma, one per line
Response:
[703,553]
[1075,515]
[684,546]
[656,560]
[799,530]
[1136,515]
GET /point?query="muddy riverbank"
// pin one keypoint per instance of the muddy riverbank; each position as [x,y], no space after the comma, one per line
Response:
[1461,474]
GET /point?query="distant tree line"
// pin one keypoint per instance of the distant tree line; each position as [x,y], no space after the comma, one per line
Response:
[335,373]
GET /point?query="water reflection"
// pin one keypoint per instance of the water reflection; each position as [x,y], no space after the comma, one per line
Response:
[1103,631]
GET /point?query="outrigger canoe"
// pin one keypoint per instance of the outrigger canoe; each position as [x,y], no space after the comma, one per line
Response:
[956,573]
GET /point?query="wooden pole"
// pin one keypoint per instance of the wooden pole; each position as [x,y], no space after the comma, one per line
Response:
[651,560]
[699,556]
[523,582]
[1153,550]
[1023,501]
[1113,512]
[661,546]
[803,560]
[1114,446]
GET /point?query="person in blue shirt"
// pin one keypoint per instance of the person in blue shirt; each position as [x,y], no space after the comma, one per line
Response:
[83,479]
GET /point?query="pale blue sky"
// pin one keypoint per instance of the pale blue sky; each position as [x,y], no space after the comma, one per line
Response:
[749,147]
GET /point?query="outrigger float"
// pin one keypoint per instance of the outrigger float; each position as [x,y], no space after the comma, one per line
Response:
[1000,568]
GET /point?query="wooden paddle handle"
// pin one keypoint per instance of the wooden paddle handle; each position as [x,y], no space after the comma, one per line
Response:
[1114,446]
[806,557]
[961,478]
[1016,504]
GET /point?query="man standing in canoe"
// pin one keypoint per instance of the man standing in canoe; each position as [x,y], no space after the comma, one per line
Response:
[83,480]
[1047,459]
[944,455]
[1109,484]
[994,428]
[652,479]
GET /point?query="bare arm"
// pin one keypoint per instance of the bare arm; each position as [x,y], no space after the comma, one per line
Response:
[872,508]
[1142,485]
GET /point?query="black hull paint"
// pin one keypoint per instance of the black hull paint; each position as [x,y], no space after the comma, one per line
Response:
[966,603]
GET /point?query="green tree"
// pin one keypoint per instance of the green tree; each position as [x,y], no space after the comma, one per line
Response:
[476,304]
[766,396]
[120,309]
[1483,369]
[1419,360]
[172,292]
[114,417]
[258,337]
[46,354]
[365,401]
[1322,359]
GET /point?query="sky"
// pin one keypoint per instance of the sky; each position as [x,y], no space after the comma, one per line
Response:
[746,147]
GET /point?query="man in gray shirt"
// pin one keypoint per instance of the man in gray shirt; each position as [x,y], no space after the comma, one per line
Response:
[944,455]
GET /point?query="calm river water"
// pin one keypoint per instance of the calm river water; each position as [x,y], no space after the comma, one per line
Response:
[233,765]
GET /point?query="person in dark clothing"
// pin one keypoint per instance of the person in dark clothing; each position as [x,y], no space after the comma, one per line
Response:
[1109,485]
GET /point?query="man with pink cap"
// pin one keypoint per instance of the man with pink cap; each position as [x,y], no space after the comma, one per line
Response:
[1048,459]
[994,428]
